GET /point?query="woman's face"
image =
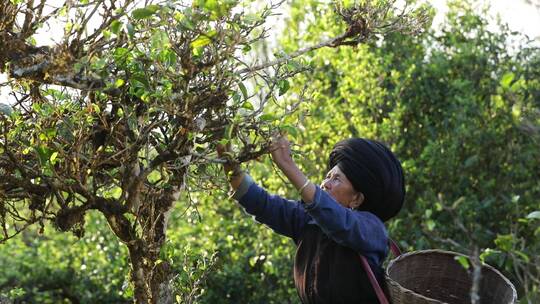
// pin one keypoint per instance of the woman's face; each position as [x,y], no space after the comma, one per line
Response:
[341,189]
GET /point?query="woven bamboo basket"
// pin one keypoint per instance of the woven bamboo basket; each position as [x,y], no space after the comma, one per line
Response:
[435,276]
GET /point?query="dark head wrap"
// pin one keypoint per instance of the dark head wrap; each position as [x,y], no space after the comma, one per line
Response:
[373,170]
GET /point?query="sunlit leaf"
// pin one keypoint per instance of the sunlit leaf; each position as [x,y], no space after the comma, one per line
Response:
[463,261]
[119,82]
[154,176]
[534,215]
[53,157]
[115,26]
[507,79]
[201,41]
[247,105]
[116,192]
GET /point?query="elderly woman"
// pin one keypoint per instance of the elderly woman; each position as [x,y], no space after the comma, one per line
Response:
[332,223]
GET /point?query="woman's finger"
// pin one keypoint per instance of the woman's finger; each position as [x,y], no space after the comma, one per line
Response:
[220,149]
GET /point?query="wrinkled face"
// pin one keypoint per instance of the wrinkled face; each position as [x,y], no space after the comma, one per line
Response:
[341,189]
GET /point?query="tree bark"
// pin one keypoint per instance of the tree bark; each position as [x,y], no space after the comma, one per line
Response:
[151,280]
[150,276]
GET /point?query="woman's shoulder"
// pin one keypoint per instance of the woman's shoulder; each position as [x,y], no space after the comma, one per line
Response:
[371,220]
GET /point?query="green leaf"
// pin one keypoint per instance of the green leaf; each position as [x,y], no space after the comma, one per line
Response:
[62,12]
[106,34]
[5,109]
[197,51]
[154,176]
[243,89]
[487,253]
[44,153]
[268,117]
[464,261]
[523,256]
[120,52]
[248,105]
[116,192]
[228,131]
[283,86]
[141,79]
[143,13]
[517,85]
[131,29]
[201,41]
[534,215]
[507,80]
[53,157]
[169,57]
[119,82]
[159,39]
[209,5]
[211,33]
[471,161]
[430,225]
[504,241]
[115,26]
[188,24]
[293,131]
[178,16]
[236,97]
[16,293]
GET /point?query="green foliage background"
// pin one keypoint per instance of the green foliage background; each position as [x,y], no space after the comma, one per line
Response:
[459,106]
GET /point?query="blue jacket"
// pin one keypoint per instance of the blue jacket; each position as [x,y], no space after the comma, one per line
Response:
[361,231]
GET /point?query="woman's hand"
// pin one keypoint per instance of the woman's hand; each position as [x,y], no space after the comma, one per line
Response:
[224,153]
[232,169]
[280,149]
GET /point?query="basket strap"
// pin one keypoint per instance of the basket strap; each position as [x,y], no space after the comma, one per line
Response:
[378,290]
[374,283]
[394,247]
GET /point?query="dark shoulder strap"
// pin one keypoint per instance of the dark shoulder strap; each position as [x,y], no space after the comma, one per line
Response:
[394,247]
[378,290]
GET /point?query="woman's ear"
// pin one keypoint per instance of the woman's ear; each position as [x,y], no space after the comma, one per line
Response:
[359,200]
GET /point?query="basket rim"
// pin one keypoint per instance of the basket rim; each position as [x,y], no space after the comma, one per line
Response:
[406,291]
[442,252]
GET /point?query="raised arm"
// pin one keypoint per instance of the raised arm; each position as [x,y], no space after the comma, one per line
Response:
[281,154]
[285,217]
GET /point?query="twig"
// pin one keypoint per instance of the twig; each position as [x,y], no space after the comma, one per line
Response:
[476,277]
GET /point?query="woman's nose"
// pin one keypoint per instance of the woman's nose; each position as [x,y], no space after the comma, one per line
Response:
[326,184]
